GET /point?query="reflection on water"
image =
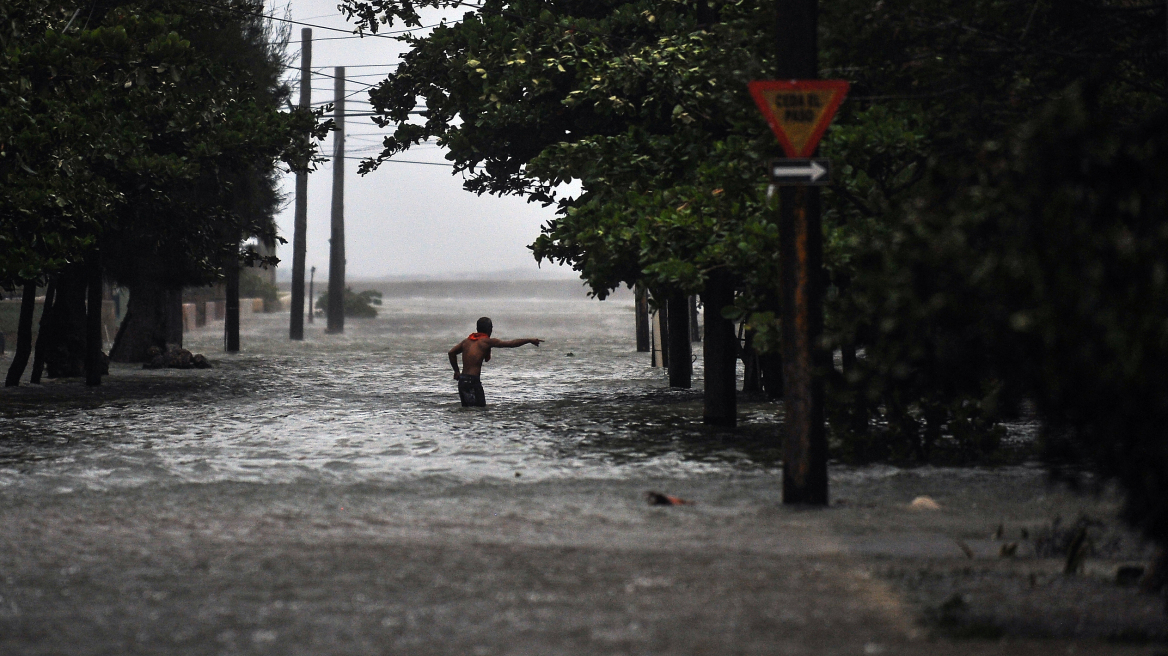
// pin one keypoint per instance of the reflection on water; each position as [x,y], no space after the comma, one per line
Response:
[379,403]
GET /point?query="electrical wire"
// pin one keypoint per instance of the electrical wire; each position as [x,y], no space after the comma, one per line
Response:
[385,35]
[403,161]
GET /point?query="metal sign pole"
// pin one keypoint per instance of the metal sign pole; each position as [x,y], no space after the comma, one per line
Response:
[801,261]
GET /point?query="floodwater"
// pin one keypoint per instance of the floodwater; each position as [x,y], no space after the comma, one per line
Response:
[379,403]
[332,497]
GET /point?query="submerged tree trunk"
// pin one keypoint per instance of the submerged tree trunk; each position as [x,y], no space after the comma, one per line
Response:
[23,336]
[860,411]
[94,357]
[642,319]
[43,338]
[153,318]
[663,327]
[231,316]
[65,328]
[751,371]
[770,365]
[695,330]
[680,356]
[720,349]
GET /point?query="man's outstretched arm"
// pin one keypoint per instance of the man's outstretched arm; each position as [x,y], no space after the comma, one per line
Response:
[453,353]
[512,343]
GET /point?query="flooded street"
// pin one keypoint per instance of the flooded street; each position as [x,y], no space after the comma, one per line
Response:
[332,497]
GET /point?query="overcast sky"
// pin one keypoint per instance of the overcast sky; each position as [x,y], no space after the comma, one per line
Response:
[402,219]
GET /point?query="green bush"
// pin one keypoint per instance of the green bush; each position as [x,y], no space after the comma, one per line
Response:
[356,304]
[253,285]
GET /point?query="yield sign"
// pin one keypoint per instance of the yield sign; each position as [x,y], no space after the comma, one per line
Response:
[798,111]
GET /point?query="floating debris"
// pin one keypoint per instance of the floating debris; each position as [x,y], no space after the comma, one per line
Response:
[924,503]
[658,499]
[1128,575]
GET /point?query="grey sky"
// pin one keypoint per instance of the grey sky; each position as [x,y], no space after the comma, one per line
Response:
[403,219]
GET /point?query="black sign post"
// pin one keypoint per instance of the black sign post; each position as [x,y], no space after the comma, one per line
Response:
[801,263]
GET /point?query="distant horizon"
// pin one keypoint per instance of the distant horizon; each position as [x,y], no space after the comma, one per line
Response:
[514,274]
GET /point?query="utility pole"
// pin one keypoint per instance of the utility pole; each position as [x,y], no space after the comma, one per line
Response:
[300,231]
[801,261]
[336,282]
[311,281]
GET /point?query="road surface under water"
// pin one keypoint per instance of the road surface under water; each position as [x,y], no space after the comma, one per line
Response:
[378,403]
[332,496]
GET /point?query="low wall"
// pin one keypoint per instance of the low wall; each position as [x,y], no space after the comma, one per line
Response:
[201,313]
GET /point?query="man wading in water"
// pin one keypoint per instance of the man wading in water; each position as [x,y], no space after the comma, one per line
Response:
[476,350]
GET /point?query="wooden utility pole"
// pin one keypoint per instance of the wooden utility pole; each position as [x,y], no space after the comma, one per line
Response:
[336,282]
[801,262]
[300,231]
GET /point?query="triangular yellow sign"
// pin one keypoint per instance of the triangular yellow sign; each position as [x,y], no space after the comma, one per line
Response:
[799,111]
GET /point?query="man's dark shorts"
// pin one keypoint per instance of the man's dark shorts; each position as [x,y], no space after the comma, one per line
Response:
[470,390]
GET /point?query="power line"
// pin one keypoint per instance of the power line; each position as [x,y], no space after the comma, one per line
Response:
[362,66]
[333,77]
[385,35]
[404,161]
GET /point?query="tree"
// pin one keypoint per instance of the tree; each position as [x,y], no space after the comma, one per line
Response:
[357,304]
[135,148]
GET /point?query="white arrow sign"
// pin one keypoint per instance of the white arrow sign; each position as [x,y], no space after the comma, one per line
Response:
[801,171]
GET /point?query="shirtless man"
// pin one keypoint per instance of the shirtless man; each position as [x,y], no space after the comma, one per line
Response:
[476,350]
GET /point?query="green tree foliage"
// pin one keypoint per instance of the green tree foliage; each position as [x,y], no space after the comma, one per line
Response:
[937,85]
[1055,283]
[644,103]
[141,137]
[134,129]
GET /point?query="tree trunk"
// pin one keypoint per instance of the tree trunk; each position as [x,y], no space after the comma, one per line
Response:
[751,371]
[65,349]
[231,317]
[153,318]
[695,330]
[663,325]
[680,356]
[94,357]
[860,411]
[23,336]
[720,348]
[642,318]
[43,338]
